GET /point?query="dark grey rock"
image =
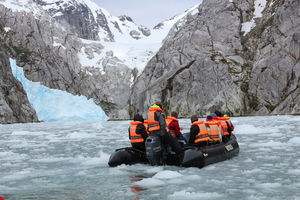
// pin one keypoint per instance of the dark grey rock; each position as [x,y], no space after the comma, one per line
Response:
[14,104]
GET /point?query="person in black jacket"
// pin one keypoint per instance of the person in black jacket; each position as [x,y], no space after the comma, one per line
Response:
[137,132]
[194,131]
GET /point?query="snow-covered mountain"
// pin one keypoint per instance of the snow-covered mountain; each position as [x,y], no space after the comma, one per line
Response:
[78,47]
[238,56]
[133,44]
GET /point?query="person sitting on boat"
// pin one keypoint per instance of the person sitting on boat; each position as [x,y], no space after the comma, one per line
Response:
[209,118]
[214,131]
[157,126]
[137,133]
[226,125]
[230,123]
[198,132]
[173,127]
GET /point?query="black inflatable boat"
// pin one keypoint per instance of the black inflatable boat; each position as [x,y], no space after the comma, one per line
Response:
[192,157]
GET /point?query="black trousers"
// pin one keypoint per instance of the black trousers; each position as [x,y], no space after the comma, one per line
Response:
[168,139]
[140,146]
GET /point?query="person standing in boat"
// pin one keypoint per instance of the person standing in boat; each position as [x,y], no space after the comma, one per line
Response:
[137,133]
[157,126]
[198,132]
[174,128]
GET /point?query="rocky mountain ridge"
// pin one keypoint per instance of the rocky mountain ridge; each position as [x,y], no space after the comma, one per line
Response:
[241,57]
[78,47]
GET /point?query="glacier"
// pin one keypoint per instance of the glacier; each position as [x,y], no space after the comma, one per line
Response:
[56,105]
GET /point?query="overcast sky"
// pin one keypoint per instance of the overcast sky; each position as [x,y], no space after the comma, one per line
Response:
[147,12]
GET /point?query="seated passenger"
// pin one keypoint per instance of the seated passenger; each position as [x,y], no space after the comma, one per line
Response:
[226,125]
[173,127]
[137,133]
[209,118]
[229,122]
[214,131]
[198,132]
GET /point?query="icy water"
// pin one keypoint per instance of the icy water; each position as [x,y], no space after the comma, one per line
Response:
[68,161]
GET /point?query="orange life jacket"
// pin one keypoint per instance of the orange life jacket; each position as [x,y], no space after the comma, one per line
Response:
[230,123]
[168,121]
[153,125]
[224,125]
[215,131]
[203,133]
[135,138]
[146,126]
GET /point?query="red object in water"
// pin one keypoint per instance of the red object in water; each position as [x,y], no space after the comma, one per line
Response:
[1,198]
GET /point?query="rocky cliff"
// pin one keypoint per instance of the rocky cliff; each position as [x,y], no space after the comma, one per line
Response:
[14,104]
[241,57]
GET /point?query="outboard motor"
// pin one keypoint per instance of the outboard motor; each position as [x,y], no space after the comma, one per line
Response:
[154,150]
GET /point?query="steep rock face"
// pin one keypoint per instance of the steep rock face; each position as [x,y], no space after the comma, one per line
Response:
[191,72]
[14,104]
[274,85]
[210,63]
[48,54]
[77,15]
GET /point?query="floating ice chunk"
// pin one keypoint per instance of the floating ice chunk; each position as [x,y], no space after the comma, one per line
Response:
[295,140]
[96,161]
[80,135]
[104,157]
[5,188]
[294,171]
[154,170]
[194,195]
[18,175]
[253,171]
[28,133]
[50,160]
[247,129]
[248,160]
[193,177]
[167,174]
[150,183]
[7,154]
[254,197]
[268,185]
[268,144]
[101,160]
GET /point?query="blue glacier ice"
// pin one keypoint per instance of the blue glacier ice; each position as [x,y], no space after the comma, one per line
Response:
[57,105]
